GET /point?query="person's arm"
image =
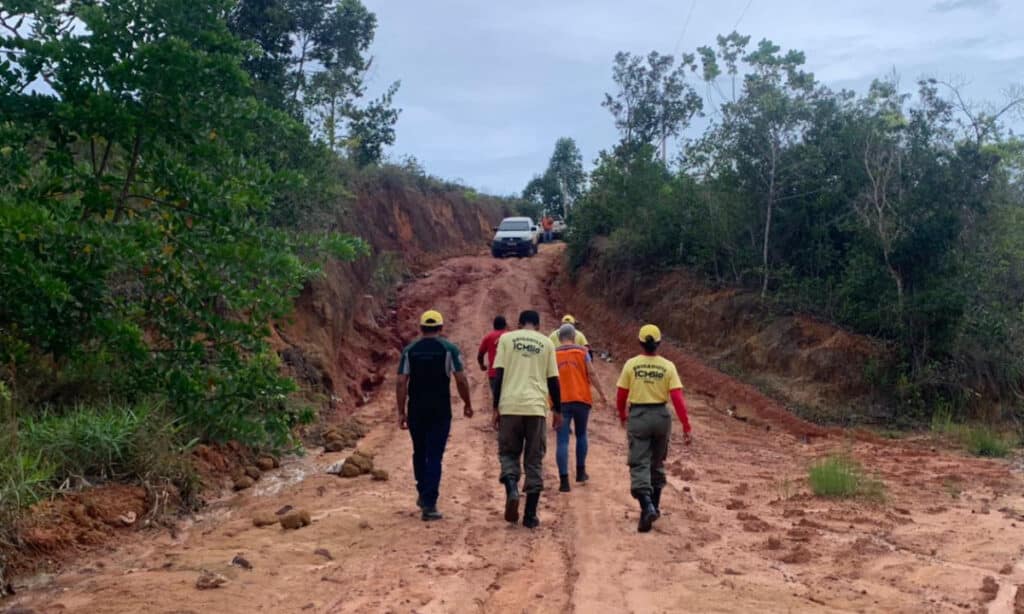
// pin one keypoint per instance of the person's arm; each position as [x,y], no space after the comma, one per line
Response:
[592,376]
[680,405]
[621,398]
[555,392]
[462,383]
[480,353]
[498,379]
[401,397]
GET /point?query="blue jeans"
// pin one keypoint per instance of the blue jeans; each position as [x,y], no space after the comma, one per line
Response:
[429,432]
[578,413]
[548,236]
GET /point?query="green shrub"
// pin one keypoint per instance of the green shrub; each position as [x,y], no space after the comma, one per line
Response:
[942,419]
[24,480]
[985,441]
[842,477]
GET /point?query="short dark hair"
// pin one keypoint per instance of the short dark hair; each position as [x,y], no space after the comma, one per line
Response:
[430,329]
[650,345]
[529,317]
[500,323]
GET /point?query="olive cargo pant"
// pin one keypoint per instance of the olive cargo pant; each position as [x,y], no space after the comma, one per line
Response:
[649,428]
[524,436]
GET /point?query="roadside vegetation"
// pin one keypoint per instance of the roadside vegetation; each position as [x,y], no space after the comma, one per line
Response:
[172,174]
[897,212]
[839,476]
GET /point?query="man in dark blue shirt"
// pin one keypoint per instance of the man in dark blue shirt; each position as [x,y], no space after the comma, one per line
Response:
[424,400]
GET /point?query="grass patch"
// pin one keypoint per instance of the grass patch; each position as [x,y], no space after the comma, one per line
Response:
[839,476]
[985,441]
[89,445]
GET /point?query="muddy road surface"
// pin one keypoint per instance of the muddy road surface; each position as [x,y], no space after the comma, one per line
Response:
[740,532]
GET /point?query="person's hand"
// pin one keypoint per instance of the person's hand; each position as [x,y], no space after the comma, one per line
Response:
[622,423]
[497,419]
[556,420]
[467,410]
[687,439]
[483,367]
[403,421]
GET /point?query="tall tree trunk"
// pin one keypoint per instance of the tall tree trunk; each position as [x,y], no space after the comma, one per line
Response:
[768,220]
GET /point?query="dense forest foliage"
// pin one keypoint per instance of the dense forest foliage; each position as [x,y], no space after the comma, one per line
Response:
[897,215]
[167,168]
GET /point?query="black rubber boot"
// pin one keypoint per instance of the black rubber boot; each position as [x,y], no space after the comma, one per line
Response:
[431,513]
[512,500]
[563,483]
[581,473]
[530,520]
[656,500]
[647,514]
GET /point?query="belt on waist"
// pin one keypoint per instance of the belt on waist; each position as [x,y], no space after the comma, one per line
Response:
[646,405]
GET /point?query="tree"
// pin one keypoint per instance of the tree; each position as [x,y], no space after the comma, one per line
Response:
[654,102]
[311,60]
[562,182]
[136,199]
[756,130]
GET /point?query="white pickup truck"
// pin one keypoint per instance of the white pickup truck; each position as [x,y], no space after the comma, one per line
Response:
[515,235]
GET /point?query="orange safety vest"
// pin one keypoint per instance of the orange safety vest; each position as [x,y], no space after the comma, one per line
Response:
[573,379]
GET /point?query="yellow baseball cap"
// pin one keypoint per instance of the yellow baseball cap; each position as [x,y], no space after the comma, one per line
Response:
[652,331]
[431,318]
[568,319]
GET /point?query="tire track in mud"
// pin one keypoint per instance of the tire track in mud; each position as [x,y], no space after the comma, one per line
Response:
[739,532]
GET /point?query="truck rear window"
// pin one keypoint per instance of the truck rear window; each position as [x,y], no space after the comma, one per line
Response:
[514,226]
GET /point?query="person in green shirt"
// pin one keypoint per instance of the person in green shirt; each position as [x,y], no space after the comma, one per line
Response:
[527,375]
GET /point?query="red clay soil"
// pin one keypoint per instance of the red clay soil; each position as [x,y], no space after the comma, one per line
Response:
[740,531]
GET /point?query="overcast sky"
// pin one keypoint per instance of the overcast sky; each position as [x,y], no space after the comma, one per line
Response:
[487,87]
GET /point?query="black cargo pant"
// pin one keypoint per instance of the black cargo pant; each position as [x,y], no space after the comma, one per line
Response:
[429,432]
[523,437]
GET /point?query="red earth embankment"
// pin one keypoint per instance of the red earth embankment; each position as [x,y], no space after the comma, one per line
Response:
[801,361]
[342,334]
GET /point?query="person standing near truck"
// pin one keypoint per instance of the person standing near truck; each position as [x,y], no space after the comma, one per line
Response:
[423,394]
[527,376]
[548,224]
[575,378]
[488,349]
[646,384]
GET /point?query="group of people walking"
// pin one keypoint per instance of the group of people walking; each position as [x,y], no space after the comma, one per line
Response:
[532,376]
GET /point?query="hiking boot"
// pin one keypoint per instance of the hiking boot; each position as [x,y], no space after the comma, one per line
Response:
[530,520]
[656,500]
[511,500]
[563,483]
[431,513]
[581,473]
[647,514]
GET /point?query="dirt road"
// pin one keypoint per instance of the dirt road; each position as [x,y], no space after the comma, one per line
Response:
[739,531]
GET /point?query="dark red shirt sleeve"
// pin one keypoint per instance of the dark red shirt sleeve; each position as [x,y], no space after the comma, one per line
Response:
[620,402]
[680,404]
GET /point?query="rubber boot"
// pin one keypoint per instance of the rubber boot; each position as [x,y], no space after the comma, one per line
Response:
[530,520]
[647,514]
[563,483]
[656,500]
[430,513]
[512,500]
[581,473]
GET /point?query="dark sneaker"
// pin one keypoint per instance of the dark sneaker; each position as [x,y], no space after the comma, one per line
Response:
[431,513]
[581,474]
[563,483]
